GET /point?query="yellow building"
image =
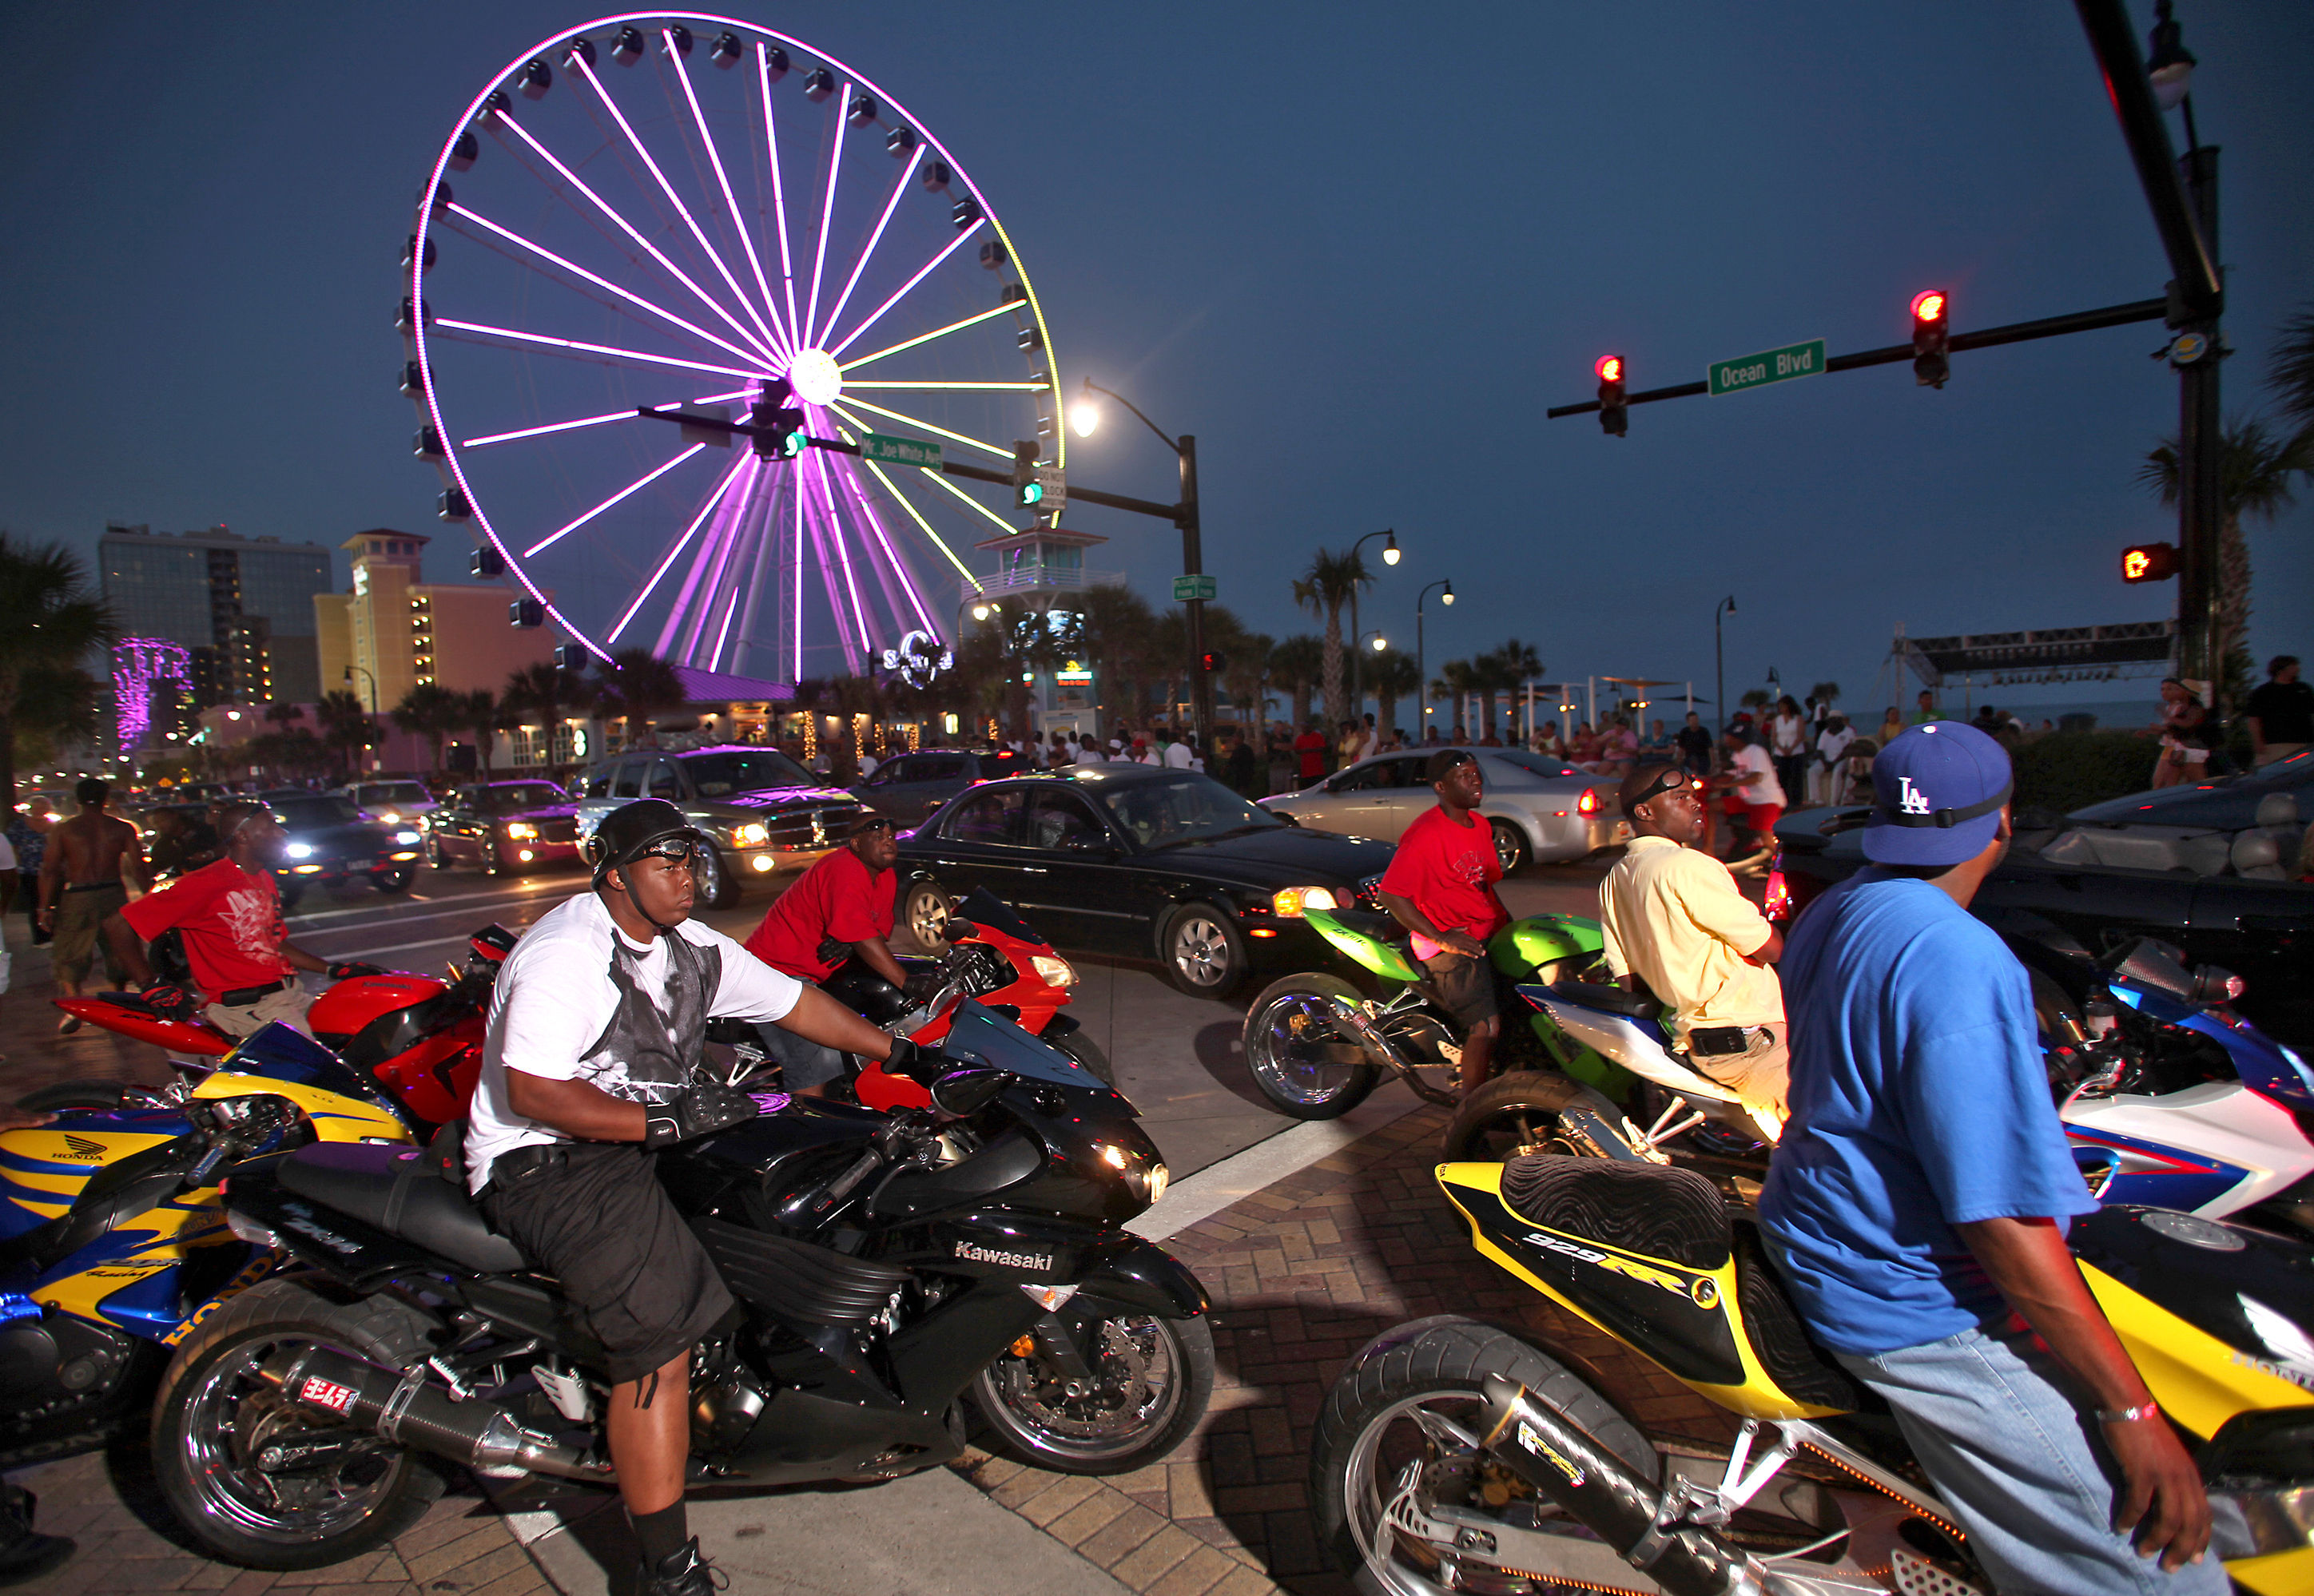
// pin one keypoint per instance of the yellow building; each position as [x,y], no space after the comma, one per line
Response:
[394,630]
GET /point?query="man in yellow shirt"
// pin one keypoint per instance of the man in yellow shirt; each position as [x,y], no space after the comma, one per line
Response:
[1673,919]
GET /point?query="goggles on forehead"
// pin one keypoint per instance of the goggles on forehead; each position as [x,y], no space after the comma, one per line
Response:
[1670,780]
[681,850]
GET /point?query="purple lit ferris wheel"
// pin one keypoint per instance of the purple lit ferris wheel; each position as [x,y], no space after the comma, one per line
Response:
[671,210]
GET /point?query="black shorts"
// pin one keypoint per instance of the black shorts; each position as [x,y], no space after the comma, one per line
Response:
[1465,986]
[598,1221]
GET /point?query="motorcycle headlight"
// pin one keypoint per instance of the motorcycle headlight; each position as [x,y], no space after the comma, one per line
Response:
[1290,902]
[1146,1182]
[300,851]
[521,829]
[1055,971]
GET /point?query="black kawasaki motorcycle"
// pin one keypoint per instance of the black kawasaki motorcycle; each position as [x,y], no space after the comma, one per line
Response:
[888,1267]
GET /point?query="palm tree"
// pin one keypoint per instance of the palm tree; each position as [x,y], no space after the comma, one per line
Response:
[1118,622]
[347,729]
[52,706]
[281,713]
[1824,693]
[1505,669]
[2254,471]
[1297,665]
[1323,589]
[49,619]
[1394,677]
[431,710]
[483,716]
[1457,679]
[2292,379]
[639,688]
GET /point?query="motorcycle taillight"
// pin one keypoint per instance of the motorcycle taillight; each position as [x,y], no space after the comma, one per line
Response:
[1778,905]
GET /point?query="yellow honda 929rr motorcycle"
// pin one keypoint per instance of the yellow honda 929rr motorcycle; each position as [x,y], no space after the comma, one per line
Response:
[1457,1456]
[114,1246]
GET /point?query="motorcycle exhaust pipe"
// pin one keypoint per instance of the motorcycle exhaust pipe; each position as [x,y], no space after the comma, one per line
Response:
[1596,1487]
[479,1435]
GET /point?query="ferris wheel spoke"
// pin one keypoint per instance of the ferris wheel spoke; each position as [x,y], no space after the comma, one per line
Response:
[747,463]
[926,271]
[943,482]
[959,387]
[925,338]
[843,552]
[728,510]
[779,192]
[508,437]
[827,205]
[464,215]
[914,421]
[917,516]
[683,211]
[875,238]
[827,564]
[865,509]
[578,349]
[784,337]
[612,213]
[640,483]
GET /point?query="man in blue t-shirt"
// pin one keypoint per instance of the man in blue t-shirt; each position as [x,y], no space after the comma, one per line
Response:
[1918,1202]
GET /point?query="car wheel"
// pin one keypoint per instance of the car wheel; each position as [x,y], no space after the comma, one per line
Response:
[492,863]
[1510,845]
[397,879]
[1203,954]
[721,888]
[925,912]
[435,857]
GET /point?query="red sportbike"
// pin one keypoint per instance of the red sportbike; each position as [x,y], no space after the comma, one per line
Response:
[417,1038]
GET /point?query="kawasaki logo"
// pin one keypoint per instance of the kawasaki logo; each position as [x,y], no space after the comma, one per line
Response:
[974,1253]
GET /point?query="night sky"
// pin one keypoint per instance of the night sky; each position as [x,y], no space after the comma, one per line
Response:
[1356,250]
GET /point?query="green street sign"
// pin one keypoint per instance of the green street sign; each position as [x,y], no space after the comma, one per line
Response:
[1774,365]
[900,451]
[1186,588]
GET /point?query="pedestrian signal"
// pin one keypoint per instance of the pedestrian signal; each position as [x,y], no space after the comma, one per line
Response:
[2148,562]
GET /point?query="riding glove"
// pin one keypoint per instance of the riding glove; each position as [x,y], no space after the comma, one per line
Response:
[171,1001]
[923,1065]
[703,1111]
[348,971]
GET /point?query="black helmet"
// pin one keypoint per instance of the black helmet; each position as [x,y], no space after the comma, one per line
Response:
[630,831]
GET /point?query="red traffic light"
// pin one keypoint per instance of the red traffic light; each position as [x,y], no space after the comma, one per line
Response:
[1609,368]
[1929,306]
[2148,562]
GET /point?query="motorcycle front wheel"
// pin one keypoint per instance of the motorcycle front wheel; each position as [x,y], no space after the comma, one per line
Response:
[1086,1052]
[1296,1052]
[1152,1380]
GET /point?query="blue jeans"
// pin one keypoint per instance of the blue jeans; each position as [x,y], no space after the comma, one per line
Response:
[803,1063]
[1991,1421]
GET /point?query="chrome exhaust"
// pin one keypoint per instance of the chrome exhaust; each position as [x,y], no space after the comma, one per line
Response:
[408,1409]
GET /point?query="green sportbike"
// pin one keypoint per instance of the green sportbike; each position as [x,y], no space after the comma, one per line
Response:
[1317,1044]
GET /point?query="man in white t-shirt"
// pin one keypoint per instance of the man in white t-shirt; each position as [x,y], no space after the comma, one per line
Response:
[599,1015]
[1831,748]
[1755,799]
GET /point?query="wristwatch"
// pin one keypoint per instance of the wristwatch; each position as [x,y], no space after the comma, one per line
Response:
[2127,1416]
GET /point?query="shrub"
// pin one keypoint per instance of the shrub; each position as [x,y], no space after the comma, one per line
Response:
[2067,769]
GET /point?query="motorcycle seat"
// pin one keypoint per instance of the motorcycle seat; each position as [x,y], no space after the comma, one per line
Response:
[1614,1000]
[397,1190]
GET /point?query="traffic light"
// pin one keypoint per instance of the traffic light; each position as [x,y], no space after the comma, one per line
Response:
[779,429]
[2148,562]
[1613,417]
[1027,491]
[1931,338]
[1213,662]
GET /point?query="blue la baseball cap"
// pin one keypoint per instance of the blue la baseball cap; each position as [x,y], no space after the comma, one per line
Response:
[1936,794]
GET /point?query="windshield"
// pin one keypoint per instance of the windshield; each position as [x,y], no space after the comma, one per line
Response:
[1186,807]
[310,814]
[988,1038]
[393,792]
[284,1053]
[715,775]
[522,795]
[1541,764]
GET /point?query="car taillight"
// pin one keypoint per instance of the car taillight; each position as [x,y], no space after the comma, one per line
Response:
[1588,804]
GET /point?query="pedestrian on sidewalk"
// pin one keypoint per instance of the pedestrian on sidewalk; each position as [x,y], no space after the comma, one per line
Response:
[1924,709]
[1830,755]
[1310,753]
[2183,729]
[31,844]
[1891,727]
[1694,740]
[1787,744]
[2281,713]
[93,862]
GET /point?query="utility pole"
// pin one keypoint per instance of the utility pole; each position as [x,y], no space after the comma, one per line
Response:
[1193,564]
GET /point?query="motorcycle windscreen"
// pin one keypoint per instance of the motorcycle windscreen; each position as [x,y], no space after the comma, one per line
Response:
[283,1053]
[991,1039]
[981,907]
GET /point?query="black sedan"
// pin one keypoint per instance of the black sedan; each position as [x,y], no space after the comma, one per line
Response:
[518,826]
[330,844]
[1141,861]
[2262,931]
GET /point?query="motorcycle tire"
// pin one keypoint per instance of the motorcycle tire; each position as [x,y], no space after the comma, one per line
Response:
[91,1097]
[1525,1112]
[1011,1393]
[222,1502]
[1086,1052]
[1366,1434]
[1279,1079]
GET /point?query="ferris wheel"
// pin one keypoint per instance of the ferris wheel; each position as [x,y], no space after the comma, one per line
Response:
[670,212]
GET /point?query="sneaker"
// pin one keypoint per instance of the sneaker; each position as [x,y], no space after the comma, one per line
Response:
[686,1574]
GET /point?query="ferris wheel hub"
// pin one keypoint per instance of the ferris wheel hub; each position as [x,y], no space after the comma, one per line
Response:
[816,377]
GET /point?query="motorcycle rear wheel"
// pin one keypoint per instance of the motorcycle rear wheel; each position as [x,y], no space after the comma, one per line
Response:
[1135,1416]
[1290,1025]
[211,1405]
[1525,1112]
[93,1097]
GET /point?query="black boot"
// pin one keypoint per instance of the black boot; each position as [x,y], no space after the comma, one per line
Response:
[686,1574]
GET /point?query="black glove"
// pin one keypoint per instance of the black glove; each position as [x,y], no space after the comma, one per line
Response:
[923,1065]
[348,971]
[704,1110]
[922,985]
[171,1001]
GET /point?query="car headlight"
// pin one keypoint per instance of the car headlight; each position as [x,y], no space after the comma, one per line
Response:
[1291,902]
[389,818]
[405,838]
[1053,971]
[755,834]
[300,851]
[521,829]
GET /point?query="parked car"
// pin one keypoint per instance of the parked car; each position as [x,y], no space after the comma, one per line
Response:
[1537,807]
[330,844]
[907,787]
[390,803]
[764,811]
[2261,930]
[1141,861]
[505,827]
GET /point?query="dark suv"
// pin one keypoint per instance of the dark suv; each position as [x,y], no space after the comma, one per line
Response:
[763,811]
[907,787]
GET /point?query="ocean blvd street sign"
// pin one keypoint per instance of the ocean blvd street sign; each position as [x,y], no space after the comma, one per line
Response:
[900,451]
[1775,366]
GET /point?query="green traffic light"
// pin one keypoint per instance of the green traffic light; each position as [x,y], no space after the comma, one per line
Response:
[1032,493]
[791,444]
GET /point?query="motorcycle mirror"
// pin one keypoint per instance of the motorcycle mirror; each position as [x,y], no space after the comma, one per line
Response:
[2215,985]
[962,1093]
[959,930]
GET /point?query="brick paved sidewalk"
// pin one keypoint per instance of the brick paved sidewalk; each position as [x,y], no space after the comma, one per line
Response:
[1303,1274]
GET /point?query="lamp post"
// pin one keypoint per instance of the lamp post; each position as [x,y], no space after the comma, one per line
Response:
[1725,606]
[373,685]
[1421,668]
[1193,555]
[1390,556]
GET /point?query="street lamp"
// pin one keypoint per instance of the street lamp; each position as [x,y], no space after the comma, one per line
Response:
[1421,669]
[373,685]
[1725,606]
[1390,556]
[1193,554]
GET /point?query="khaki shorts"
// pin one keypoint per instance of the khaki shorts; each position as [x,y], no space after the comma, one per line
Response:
[1760,1074]
[246,1019]
[80,919]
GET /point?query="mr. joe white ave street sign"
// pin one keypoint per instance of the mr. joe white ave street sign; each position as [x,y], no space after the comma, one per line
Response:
[1775,366]
[899,451]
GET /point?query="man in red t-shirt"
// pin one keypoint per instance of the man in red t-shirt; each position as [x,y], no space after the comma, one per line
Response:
[840,909]
[1310,748]
[230,913]
[1441,887]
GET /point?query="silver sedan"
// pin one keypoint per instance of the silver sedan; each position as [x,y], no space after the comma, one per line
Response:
[1537,807]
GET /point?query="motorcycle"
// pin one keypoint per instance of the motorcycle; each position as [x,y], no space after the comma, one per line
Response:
[113,1249]
[417,1038]
[887,1267]
[1316,1045]
[1454,1455]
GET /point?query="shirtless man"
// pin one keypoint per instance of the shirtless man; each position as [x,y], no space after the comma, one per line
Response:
[91,862]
